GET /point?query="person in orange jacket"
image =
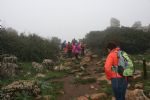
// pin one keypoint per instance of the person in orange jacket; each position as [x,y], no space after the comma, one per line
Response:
[118,82]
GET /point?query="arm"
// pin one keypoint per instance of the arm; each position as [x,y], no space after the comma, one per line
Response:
[108,66]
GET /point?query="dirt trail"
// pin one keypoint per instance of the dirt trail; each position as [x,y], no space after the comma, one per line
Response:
[71,91]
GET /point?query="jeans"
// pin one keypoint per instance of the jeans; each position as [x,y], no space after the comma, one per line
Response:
[119,86]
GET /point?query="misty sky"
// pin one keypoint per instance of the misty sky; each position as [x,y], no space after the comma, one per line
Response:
[68,19]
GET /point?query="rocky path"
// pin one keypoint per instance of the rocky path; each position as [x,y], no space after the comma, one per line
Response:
[79,91]
[72,91]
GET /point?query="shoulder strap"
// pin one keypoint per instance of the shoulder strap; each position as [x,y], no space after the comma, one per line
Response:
[121,61]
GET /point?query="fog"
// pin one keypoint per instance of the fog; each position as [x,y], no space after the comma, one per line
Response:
[68,19]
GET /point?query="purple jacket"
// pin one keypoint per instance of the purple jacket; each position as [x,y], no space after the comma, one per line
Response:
[76,48]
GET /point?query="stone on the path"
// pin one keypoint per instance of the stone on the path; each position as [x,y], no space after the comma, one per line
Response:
[61,67]
[89,78]
[139,86]
[113,98]
[137,74]
[82,68]
[98,96]
[129,85]
[76,70]
[92,86]
[46,97]
[87,59]
[94,56]
[39,97]
[82,98]
[83,64]
[148,63]
[103,78]
[98,63]
[67,64]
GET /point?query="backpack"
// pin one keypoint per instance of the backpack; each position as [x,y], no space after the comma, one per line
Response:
[125,65]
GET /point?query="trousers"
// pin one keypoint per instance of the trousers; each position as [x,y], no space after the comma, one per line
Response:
[119,86]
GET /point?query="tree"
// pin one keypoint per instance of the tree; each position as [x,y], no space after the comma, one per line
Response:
[130,40]
[28,47]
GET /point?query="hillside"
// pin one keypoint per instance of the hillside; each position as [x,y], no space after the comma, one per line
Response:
[70,80]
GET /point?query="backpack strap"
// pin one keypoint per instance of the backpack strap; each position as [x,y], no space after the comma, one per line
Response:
[115,68]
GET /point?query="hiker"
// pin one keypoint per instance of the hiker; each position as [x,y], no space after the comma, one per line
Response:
[119,83]
[76,49]
[74,41]
[69,50]
[63,45]
[82,45]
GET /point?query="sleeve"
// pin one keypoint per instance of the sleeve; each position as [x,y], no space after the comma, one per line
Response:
[108,66]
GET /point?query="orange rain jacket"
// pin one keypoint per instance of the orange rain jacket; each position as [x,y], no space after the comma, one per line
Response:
[112,60]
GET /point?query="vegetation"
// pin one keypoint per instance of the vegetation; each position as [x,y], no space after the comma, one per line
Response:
[47,87]
[28,48]
[131,40]
[32,47]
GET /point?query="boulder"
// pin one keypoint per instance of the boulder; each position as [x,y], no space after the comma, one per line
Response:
[9,66]
[37,66]
[136,94]
[9,92]
[10,59]
[9,70]
[48,64]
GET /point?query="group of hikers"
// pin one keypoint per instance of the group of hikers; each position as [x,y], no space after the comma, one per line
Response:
[73,48]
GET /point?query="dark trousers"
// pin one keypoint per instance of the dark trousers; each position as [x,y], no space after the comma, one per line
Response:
[76,56]
[69,53]
[82,52]
[119,86]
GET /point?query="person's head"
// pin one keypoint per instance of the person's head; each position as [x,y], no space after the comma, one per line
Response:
[64,41]
[76,44]
[68,42]
[110,46]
